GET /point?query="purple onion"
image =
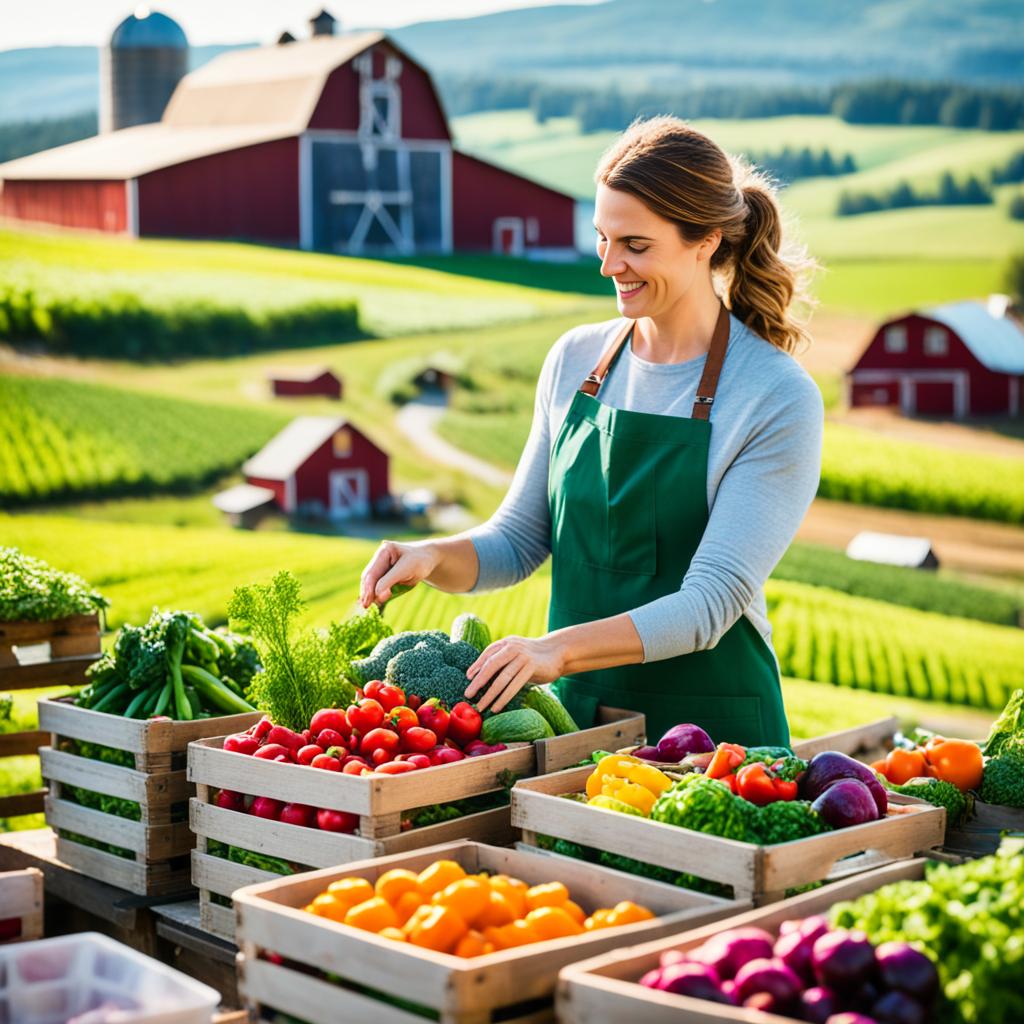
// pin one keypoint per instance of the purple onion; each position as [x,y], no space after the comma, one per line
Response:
[794,950]
[684,739]
[672,956]
[907,969]
[817,1004]
[771,976]
[728,951]
[843,960]
[691,979]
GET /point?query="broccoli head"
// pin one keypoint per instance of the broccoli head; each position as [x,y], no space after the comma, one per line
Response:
[1003,780]
[702,804]
[459,654]
[939,793]
[376,665]
[786,820]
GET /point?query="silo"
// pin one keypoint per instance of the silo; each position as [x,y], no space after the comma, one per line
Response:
[146,58]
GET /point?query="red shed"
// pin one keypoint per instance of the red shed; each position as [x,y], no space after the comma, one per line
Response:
[322,465]
[336,143]
[961,359]
[306,382]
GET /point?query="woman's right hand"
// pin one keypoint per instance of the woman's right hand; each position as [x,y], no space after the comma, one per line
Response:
[395,563]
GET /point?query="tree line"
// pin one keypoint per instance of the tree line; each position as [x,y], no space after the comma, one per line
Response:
[969,192]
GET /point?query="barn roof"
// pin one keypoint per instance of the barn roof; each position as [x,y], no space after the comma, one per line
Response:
[995,341]
[303,374]
[890,549]
[282,455]
[242,498]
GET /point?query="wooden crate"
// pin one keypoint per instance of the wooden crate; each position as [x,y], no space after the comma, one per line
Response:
[21,901]
[160,840]
[981,833]
[868,742]
[616,728]
[759,873]
[35,654]
[520,982]
[605,989]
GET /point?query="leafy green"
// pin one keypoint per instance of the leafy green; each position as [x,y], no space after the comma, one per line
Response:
[1008,729]
[786,820]
[305,672]
[1003,779]
[31,590]
[939,793]
[702,804]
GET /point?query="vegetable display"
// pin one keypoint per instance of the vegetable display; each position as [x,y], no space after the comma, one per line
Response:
[810,971]
[443,909]
[32,591]
[172,666]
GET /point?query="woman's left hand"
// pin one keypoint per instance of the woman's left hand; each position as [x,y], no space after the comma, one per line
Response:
[509,664]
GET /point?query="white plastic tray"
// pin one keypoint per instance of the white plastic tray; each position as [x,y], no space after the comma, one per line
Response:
[54,981]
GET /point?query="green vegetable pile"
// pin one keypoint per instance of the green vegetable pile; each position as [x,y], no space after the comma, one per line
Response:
[436,814]
[939,793]
[32,591]
[309,671]
[969,919]
[784,821]
[174,666]
[251,859]
[1003,779]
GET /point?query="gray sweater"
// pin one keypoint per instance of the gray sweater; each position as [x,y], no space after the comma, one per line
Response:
[763,469]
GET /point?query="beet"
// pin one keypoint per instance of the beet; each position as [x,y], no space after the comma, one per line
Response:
[817,1004]
[728,951]
[794,950]
[681,740]
[843,960]
[771,976]
[691,979]
[846,802]
[829,766]
[905,968]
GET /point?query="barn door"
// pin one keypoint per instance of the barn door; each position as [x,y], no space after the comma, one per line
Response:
[350,493]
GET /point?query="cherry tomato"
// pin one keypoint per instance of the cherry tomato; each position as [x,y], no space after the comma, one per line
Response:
[329,718]
[325,761]
[387,695]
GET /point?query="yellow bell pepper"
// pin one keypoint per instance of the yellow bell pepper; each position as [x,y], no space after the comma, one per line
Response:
[649,777]
[614,766]
[636,796]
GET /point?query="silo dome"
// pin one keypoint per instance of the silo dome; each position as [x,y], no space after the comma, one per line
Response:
[140,68]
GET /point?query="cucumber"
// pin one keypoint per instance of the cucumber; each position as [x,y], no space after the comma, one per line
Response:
[522,726]
[542,700]
[472,629]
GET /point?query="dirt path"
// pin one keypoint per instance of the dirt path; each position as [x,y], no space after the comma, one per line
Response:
[416,420]
[971,545]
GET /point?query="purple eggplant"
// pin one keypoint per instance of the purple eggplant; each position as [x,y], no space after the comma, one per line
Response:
[846,802]
[843,960]
[828,766]
[646,753]
[898,1008]
[817,1004]
[770,976]
[728,951]
[905,968]
[681,740]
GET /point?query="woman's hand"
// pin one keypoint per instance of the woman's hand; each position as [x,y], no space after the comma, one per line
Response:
[395,563]
[509,664]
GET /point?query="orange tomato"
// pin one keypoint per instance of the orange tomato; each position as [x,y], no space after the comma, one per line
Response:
[329,906]
[627,912]
[598,919]
[396,883]
[518,933]
[550,894]
[903,765]
[513,890]
[472,943]
[407,904]
[499,911]
[575,911]
[956,761]
[439,929]
[552,923]
[350,891]
[469,897]
[372,916]
[440,874]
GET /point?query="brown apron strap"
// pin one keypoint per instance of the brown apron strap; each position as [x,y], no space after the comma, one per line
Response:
[708,381]
[712,367]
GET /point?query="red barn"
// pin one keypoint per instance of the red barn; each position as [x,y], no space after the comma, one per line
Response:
[337,143]
[306,382]
[961,359]
[321,465]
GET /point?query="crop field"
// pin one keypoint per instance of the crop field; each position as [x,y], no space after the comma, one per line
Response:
[61,439]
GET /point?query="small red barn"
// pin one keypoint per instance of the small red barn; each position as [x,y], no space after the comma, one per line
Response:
[961,359]
[306,382]
[321,465]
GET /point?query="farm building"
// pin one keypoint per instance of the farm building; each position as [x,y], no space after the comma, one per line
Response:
[305,382]
[318,465]
[337,143]
[961,359]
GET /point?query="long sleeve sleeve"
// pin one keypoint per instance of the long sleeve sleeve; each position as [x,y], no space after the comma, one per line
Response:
[760,502]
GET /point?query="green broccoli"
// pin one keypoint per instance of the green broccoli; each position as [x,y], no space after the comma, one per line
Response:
[702,804]
[460,654]
[765,755]
[140,652]
[1003,780]
[786,820]
[375,666]
[789,768]
[939,793]
[1008,729]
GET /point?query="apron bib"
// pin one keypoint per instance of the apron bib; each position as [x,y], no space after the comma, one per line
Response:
[628,501]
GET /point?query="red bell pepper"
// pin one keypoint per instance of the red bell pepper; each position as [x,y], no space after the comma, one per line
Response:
[728,757]
[464,723]
[757,784]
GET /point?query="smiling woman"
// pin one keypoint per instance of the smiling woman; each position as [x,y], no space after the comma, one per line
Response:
[662,519]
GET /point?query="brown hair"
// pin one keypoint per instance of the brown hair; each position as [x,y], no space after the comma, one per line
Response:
[683,176]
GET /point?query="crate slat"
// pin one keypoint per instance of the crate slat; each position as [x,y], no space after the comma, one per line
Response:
[114,780]
[20,744]
[860,739]
[617,728]
[21,895]
[22,803]
[160,879]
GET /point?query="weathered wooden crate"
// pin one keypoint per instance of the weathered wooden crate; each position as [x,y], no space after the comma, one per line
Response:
[35,654]
[981,833]
[519,982]
[160,841]
[605,989]
[21,905]
[616,728]
[867,742]
[759,873]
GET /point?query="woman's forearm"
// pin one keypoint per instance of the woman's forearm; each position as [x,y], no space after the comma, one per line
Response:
[605,643]
[457,564]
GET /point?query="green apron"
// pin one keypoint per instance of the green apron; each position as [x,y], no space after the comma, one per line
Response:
[628,500]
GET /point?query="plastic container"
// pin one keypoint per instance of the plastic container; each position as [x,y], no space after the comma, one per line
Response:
[91,979]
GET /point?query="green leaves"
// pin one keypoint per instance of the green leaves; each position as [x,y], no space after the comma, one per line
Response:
[31,590]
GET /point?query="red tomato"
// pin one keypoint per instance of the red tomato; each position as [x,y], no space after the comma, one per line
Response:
[464,723]
[329,718]
[380,739]
[230,800]
[325,761]
[272,751]
[355,766]
[418,740]
[241,743]
[307,753]
[365,716]
[298,814]
[336,821]
[433,715]
[330,738]
[402,718]
[265,807]
[387,695]
[395,768]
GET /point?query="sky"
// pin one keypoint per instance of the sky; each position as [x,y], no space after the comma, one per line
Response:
[90,22]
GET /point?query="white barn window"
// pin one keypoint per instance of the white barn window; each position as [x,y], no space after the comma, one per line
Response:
[896,338]
[936,341]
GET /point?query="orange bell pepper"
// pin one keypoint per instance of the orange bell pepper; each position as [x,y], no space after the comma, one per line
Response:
[439,929]
[956,761]
[728,757]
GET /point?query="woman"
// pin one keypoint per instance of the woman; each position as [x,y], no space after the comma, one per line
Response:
[672,457]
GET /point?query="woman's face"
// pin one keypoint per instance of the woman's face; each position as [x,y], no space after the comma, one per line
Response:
[651,264]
